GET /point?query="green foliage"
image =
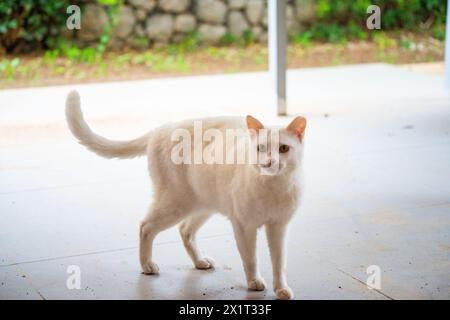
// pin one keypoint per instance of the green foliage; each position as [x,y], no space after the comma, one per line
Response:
[438,32]
[356,32]
[339,20]
[406,43]
[141,42]
[61,47]
[383,41]
[228,39]
[188,44]
[112,7]
[72,52]
[108,2]
[155,61]
[170,64]
[303,38]
[395,13]
[323,8]
[330,32]
[9,67]
[38,24]
[33,22]
[248,37]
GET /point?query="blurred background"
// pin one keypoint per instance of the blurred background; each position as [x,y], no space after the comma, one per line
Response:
[135,39]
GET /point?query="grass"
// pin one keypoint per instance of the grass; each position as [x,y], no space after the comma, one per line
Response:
[71,64]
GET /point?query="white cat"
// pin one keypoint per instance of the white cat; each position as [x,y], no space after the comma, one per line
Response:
[250,195]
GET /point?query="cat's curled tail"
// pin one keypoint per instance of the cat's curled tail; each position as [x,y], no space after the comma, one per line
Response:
[92,141]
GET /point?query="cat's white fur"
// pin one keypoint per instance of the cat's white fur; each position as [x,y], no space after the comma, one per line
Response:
[250,195]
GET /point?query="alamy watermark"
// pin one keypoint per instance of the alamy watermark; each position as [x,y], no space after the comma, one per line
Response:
[74,279]
[374,279]
[74,20]
[374,20]
[231,146]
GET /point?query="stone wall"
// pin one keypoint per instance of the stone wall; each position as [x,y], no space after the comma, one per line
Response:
[142,23]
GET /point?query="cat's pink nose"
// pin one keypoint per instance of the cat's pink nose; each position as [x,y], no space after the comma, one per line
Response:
[267,165]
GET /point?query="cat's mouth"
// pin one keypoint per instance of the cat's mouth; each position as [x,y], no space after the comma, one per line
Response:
[270,168]
[267,165]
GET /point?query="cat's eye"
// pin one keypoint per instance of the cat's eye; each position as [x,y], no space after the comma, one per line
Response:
[284,148]
[261,148]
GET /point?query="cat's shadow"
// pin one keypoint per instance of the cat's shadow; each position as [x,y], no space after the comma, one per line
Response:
[175,283]
[186,282]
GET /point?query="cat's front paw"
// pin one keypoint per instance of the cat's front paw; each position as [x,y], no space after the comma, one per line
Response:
[205,263]
[257,284]
[284,293]
[150,268]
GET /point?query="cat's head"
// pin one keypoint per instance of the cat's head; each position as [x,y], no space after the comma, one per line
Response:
[277,150]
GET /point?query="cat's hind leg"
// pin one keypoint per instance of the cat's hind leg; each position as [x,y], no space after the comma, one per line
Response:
[161,216]
[188,229]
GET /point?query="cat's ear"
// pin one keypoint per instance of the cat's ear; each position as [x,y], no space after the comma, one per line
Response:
[297,127]
[253,124]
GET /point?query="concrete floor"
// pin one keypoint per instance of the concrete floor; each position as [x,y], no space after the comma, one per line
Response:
[377,168]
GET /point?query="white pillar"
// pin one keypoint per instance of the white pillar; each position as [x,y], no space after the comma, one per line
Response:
[277,52]
[447,48]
